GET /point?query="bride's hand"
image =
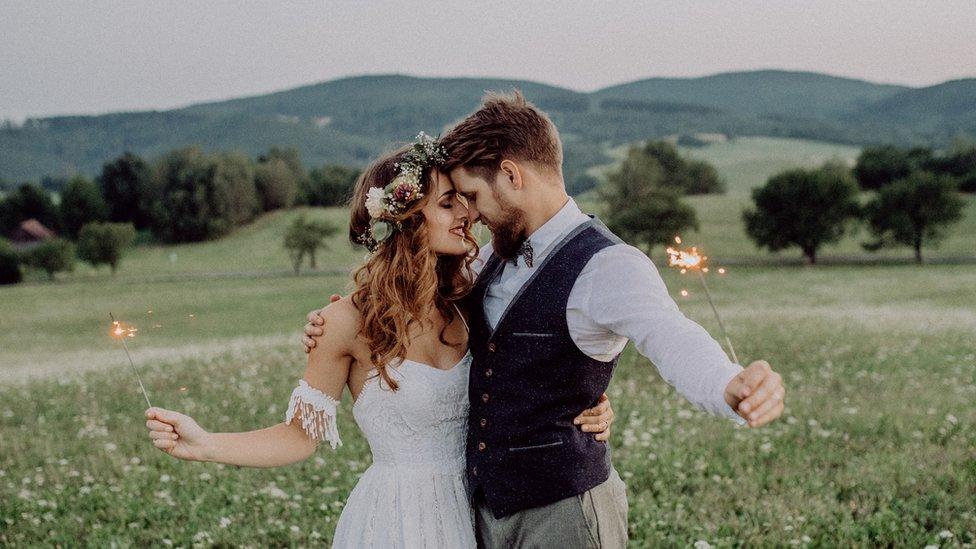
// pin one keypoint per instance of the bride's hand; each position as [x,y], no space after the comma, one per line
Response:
[177,434]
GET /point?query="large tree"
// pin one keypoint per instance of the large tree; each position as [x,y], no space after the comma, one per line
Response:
[684,175]
[276,184]
[194,201]
[879,166]
[803,208]
[639,209]
[330,185]
[81,202]
[126,185]
[913,211]
[235,193]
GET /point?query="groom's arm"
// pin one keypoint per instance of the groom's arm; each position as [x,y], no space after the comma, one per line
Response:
[623,294]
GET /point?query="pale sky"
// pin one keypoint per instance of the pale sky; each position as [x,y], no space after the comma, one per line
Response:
[103,56]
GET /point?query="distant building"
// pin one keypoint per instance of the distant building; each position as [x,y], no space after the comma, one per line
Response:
[29,234]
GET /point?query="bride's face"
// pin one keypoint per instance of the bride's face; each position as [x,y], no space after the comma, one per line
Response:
[446,217]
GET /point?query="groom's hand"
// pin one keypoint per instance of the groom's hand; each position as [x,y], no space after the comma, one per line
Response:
[313,328]
[756,394]
[597,419]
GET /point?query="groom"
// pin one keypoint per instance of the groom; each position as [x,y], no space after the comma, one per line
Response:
[555,303]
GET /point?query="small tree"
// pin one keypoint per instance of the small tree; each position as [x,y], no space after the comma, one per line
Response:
[913,211]
[804,208]
[104,243]
[52,256]
[81,202]
[305,237]
[639,209]
[9,264]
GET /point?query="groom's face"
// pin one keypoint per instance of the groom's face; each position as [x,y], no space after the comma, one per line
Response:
[488,203]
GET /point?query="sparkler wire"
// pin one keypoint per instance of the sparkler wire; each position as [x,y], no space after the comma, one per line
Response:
[126,348]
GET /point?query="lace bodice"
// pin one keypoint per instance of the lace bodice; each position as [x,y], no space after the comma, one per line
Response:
[424,422]
[415,494]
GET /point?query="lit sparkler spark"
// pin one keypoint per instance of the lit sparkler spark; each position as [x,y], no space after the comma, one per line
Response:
[121,332]
[692,260]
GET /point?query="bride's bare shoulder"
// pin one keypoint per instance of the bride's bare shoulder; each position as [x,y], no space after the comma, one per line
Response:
[343,318]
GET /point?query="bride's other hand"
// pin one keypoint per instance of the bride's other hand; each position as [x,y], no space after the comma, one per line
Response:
[313,328]
[177,434]
[597,419]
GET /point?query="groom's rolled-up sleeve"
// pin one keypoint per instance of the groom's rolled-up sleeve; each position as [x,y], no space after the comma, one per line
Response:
[628,297]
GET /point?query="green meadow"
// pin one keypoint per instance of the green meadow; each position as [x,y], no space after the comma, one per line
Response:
[876,447]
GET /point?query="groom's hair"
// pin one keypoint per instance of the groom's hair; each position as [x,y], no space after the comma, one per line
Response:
[506,126]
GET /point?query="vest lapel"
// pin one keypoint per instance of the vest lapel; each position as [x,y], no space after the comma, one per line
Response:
[565,240]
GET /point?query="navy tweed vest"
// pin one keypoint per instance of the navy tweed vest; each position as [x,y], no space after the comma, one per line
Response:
[529,380]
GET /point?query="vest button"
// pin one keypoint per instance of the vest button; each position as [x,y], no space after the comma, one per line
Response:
[474,470]
[483,422]
[481,446]
[491,347]
[484,397]
[488,372]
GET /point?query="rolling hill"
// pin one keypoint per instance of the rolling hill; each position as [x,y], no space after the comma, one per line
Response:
[810,95]
[351,119]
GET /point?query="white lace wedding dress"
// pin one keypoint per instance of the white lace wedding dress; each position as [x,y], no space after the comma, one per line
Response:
[415,492]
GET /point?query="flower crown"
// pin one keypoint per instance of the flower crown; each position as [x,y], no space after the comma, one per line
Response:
[405,189]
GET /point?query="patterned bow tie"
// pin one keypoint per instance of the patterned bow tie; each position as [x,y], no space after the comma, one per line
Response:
[526,253]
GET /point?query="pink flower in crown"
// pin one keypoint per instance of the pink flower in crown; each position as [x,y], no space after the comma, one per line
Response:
[404,192]
[404,189]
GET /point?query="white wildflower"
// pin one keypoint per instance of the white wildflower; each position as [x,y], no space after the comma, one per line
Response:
[274,491]
[374,201]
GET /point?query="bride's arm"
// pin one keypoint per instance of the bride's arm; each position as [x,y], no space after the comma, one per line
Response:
[310,418]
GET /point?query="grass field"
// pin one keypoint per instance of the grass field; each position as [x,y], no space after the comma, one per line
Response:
[877,446]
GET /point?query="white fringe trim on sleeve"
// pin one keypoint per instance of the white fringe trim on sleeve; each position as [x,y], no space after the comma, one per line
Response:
[318,413]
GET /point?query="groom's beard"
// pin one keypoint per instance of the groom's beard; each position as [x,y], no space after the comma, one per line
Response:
[508,232]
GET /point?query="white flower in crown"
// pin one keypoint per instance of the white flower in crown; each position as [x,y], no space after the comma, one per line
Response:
[376,202]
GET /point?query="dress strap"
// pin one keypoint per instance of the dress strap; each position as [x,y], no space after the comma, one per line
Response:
[465,322]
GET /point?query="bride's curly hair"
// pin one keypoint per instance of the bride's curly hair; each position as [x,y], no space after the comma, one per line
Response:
[403,277]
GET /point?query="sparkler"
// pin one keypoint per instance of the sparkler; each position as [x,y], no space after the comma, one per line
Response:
[692,260]
[121,333]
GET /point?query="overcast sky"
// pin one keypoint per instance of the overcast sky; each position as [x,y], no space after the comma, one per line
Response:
[102,56]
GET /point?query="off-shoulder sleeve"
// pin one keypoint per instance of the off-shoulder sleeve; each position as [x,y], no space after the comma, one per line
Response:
[318,413]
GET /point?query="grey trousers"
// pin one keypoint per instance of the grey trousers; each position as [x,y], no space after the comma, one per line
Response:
[595,518]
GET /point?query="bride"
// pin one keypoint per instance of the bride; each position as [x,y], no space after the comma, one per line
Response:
[399,344]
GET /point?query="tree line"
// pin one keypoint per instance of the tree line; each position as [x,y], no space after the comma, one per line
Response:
[904,196]
[184,195]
